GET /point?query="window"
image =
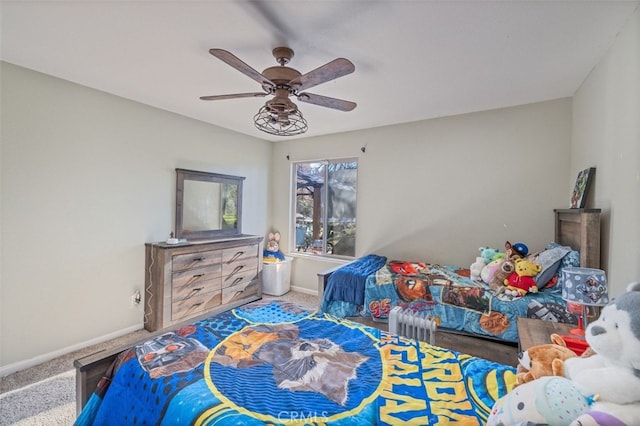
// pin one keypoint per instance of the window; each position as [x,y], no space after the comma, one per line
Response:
[325,207]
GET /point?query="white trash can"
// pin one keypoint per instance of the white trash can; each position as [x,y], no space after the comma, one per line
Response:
[276,277]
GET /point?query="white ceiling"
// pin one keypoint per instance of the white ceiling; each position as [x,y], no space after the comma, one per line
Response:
[414,59]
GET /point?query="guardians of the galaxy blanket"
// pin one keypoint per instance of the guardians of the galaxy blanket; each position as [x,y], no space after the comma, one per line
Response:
[447,293]
[277,363]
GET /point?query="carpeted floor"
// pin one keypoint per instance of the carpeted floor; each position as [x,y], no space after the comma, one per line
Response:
[48,402]
[45,394]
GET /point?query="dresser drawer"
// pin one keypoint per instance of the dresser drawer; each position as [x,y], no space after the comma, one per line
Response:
[239,277]
[195,288]
[181,262]
[234,254]
[239,266]
[195,304]
[240,290]
[196,275]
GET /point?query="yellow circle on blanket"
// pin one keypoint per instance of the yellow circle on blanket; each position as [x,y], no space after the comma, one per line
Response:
[267,372]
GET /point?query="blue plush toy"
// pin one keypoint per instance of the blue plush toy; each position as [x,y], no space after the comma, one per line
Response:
[489,254]
[271,252]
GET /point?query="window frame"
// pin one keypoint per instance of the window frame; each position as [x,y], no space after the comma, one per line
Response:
[325,194]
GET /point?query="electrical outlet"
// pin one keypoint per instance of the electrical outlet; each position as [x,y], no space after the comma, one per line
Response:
[136,298]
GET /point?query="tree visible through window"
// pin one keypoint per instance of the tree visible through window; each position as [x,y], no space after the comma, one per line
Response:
[325,207]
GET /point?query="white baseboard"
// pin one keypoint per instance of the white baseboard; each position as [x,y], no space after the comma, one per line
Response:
[5,370]
[304,290]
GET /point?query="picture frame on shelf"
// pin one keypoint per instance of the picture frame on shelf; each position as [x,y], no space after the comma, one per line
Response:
[582,187]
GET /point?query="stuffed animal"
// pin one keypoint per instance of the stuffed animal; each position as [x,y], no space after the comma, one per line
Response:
[490,269]
[549,400]
[476,269]
[597,418]
[488,254]
[496,281]
[613,372]
[271,252]
[521,281]
[543,360]
[515,251]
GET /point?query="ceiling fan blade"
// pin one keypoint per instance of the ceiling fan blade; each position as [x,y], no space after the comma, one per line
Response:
[235,62]
[233,96]
[330,71]
[326,101]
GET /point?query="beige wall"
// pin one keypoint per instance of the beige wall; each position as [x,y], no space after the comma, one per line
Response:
[439,189]
[606,134]
[87,179]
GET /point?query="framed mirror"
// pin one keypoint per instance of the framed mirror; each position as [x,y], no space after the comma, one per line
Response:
[208,205]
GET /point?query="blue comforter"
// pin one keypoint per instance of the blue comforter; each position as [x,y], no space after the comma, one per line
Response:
[457,301]
[276,363]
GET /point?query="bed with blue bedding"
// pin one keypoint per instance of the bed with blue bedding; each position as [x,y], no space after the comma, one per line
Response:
[447,293]
[277,363]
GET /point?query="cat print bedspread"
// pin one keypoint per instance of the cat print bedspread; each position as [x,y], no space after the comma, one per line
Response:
[277,363]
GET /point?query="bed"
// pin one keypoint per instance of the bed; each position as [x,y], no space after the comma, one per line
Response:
[277,363]
[460,303]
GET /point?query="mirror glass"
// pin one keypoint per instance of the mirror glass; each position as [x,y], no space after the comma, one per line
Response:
[207,204]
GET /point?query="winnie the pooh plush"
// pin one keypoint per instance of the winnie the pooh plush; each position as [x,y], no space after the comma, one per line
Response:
[543,360]
[521,281]
[613,372]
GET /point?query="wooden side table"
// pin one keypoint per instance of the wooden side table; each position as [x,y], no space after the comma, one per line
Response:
[533,331]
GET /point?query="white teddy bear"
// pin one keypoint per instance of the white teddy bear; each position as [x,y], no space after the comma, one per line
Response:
[613,373]
[476,268]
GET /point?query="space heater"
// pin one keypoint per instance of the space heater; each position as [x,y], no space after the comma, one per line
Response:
[418,325]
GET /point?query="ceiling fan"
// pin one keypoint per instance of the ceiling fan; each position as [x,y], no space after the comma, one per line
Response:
[279,115]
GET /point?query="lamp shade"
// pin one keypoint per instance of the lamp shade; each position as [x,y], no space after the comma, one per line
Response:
[585,286]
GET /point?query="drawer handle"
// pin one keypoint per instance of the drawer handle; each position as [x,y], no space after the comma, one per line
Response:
[195,305]
[193,292]
[235,271]
[198,275]
[198,259]
[236,281]
[235,256]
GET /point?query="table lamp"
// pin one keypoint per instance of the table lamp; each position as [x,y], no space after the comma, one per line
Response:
[584,287]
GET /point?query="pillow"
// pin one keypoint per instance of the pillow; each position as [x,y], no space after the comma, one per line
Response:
[570,260]
[550,260]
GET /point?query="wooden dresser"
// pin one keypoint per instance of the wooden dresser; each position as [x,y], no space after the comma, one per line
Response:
[198,278]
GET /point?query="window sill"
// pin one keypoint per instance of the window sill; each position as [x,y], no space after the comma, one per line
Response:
[322,258]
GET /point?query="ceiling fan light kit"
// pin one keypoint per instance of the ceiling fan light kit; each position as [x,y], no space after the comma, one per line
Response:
[280,116]
[287,124]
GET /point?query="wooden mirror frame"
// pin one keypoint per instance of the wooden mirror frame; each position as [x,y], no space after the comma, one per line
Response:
[183,175]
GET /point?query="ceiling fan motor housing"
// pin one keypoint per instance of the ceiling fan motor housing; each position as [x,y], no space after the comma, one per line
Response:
[281,76]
